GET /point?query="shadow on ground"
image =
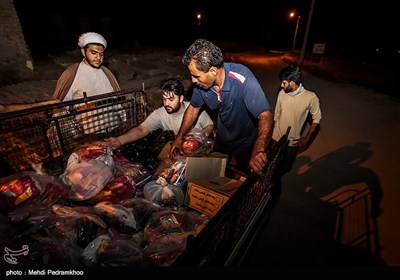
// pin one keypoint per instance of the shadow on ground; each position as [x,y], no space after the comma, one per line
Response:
[316,221]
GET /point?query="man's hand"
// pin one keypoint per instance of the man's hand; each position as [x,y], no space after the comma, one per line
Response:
[113,141]
[300,142]
[176,148]
[257,161]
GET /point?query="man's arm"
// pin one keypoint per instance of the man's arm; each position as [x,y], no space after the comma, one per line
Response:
[209,129]
[188,121]
[302,141]
[259,158]
[134,134]
[206,123]
[315,111]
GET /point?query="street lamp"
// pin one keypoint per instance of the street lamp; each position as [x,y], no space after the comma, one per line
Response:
[295,31]
[198,16]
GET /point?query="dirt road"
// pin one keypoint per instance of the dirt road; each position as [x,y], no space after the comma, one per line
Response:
[342,194]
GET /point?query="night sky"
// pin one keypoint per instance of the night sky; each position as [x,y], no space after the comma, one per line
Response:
[353,28]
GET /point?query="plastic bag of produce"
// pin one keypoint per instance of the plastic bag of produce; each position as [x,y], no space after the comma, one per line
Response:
[162,193]
[17,191]
[197,143]
[87,179]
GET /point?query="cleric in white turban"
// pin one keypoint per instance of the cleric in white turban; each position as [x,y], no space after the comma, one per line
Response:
[91,38]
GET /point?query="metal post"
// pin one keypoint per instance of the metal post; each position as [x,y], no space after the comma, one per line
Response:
[303,49]
[295,33]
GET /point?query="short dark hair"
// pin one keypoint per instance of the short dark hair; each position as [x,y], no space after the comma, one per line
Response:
[291,73]
[173,85]
[206,55]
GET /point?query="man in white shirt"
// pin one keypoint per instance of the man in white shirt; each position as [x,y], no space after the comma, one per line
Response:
[168,117]
[89,78]
[86,78]
[293,107]
[89,75]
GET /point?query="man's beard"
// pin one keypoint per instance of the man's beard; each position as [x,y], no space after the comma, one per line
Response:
[288,89]
[91,64]
[174,110]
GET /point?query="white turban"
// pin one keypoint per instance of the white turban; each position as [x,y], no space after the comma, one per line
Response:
[91,37]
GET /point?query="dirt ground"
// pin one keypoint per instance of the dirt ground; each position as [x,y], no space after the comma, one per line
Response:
[146,69]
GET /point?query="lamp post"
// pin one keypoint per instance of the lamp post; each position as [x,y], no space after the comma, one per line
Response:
[295,31]
[303,48]
[198,16]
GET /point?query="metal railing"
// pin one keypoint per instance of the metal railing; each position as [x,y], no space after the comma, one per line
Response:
[43,133]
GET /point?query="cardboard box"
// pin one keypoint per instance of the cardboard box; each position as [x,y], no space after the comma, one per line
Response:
[209,195]
[191,168]
[204,168]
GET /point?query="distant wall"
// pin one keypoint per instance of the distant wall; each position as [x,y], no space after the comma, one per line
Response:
[15,60]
